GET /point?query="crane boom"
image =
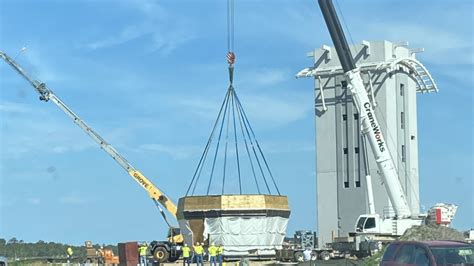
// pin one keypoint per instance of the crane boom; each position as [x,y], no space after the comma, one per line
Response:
[46,94]
[369,124]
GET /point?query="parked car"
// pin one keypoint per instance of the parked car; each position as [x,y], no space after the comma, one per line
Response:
[428,253]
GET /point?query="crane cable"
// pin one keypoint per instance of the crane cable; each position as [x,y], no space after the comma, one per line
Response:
[230,39]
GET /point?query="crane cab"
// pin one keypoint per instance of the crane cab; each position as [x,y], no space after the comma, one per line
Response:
[368,223]
[374,224]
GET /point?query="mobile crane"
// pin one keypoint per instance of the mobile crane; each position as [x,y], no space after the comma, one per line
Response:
[162,251]
[373,223]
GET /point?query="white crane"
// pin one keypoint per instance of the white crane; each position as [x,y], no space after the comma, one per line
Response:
[373,222]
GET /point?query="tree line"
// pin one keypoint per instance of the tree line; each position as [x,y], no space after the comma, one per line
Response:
[14,248]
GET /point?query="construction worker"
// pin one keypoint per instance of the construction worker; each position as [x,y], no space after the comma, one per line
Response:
[307,254]
[69,254]
[199,251]
[100,255]
[212,254]
[186,255]
[220,254]
[143,251]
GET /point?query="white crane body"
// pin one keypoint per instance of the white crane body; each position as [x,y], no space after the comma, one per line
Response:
[374,223]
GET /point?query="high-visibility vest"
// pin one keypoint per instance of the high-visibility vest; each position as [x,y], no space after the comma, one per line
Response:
[142,250]
[199,250]
[69,251]
[220,250]
[186,252]
[212,251]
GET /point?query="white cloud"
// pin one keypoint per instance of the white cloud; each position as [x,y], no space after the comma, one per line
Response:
[176,152]
[274,111]
[164,32]
[441,46]
[41,68]
[74,199]
[12,107]
[264,76]
[34,201]
[266,111]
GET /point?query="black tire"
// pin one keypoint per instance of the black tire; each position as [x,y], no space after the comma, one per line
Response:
[314,255]
[299,256]
[160,254]
[325,255]
[173,259]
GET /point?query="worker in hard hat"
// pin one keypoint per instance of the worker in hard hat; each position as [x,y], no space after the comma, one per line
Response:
[212,254]
[186,255]
[220,254]
[143,251]
[69,254]
[199,252]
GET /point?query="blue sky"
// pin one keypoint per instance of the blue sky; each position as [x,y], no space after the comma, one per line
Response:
[149,76]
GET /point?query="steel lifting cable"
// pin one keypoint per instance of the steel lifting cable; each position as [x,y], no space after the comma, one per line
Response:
[218,144]
[258,145]
[232,104]
[202,160]
[226,139]
[239,107]
[248,153]
[235,141]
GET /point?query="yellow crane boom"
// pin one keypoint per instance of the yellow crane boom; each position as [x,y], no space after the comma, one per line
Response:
[46,95]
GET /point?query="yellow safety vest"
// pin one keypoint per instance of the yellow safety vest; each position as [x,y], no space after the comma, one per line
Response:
[69,251]
[220,250]
[199,250]
[142,250]
[186,252]
[212,251]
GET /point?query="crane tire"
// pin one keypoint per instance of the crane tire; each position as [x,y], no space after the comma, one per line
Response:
[161,254]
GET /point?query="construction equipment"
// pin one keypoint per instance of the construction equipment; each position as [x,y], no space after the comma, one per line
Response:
[100,256]
[294,248]
[374,223]
[169,249]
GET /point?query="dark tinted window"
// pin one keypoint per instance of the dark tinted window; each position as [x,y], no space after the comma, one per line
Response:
[390,252]
[453,255]
[421,257]
[360,224]
[405,255]
[370,223]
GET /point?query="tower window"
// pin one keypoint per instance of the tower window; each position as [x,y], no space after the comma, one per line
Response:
[402,120]
[345,150]
[346,184]
[356,149]
[344,117]
[404,154]
[402,89]
[356,116]
[344,84]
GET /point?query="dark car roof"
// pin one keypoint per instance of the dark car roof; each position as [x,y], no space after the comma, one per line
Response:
[437,243]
